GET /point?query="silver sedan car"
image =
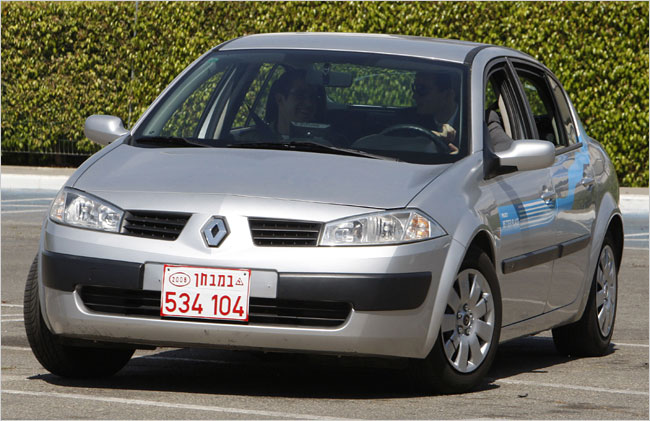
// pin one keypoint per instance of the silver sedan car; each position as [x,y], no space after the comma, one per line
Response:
[346,194]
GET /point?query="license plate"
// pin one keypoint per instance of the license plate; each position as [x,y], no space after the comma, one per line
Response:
[205,293]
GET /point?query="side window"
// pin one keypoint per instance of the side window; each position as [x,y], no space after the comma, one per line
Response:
[502,120]
[565,112]
[542,107]
[495,102]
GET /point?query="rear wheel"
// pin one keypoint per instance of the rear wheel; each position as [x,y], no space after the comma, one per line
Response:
[57,358]
[590,336]
[469,331]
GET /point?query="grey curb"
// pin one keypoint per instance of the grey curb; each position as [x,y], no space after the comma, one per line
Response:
[633,200]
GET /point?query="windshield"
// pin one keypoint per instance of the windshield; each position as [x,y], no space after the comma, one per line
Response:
[368,105]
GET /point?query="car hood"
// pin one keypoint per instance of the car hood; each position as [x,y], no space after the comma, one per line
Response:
[288,175]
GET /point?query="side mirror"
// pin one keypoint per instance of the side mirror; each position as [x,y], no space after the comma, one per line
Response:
[104,129]
[527,155]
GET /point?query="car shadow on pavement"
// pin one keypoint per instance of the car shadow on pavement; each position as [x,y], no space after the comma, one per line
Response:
[531,354]
[247,373]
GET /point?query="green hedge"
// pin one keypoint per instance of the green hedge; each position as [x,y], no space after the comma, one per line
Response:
[64,61]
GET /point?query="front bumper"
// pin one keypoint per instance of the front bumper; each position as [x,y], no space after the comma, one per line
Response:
[365,292]
[390,290]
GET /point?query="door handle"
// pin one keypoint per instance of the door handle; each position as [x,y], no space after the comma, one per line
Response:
[548,195]
[587,182]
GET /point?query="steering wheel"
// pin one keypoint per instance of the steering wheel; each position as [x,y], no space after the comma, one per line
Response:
[415,130]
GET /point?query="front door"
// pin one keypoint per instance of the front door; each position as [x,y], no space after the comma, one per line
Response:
[523,210]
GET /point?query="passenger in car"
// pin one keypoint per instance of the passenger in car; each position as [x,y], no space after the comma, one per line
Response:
[499,139]
[436,105]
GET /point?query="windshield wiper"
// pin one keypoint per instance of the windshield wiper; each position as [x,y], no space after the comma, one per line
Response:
[308,147]
[173,141]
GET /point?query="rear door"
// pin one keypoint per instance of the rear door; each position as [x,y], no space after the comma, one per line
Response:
[572,179]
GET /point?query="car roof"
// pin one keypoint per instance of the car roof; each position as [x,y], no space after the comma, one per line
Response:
[440,49]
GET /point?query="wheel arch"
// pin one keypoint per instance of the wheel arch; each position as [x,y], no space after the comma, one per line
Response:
[483,241]
[608,221]
[480,239]
[615,230]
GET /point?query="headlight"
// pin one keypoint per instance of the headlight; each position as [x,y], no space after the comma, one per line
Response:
[79,209]
[392,227]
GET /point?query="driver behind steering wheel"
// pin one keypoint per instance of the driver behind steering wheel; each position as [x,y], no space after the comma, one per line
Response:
[436,105]
[292,99]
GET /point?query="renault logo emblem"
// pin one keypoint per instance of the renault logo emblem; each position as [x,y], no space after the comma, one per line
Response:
[215,231]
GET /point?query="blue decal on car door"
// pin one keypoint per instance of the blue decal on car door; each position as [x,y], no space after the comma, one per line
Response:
[524,216]
[575,175]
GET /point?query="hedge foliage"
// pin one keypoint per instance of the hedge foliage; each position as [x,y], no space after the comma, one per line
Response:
[64,61]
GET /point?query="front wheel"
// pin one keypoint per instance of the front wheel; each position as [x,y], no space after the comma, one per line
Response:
[60,359]
[590,336]
[470,328]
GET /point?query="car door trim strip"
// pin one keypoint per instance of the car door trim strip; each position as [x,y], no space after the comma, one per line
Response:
[574,245]
[538,257]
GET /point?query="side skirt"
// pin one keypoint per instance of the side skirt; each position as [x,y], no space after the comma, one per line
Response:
[539,323]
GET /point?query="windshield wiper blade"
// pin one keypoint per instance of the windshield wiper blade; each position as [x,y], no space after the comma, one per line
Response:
[309,147]
[258,145]
[173,141]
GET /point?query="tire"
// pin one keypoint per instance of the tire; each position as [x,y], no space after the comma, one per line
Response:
[461,358]
[590,336]
[57,358]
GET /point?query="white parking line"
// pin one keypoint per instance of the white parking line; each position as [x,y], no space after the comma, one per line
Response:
[36,199]
[11,305]
[11,320]
[639,234]
[12,315]
[21,205]
[27,211]
[548,338]
[637,345]
[16,348]
[10,378]
[572,387]
[107,399]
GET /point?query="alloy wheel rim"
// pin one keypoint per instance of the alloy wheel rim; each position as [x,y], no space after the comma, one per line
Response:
[468,323]
[606,290]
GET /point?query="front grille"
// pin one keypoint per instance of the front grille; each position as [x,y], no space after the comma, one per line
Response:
[278,232]
[153,224]
[300,313]
[261,311]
